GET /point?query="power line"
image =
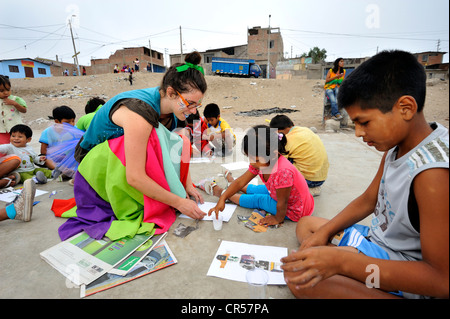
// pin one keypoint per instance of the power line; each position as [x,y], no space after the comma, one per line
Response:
[360,35]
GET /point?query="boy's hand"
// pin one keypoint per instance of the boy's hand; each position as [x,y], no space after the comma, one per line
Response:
[306,268]
[319,238]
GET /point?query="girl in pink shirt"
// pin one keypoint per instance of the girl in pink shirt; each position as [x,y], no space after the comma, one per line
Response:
[284,194]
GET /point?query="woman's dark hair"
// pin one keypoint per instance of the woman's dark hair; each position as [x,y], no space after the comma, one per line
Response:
[336,66]
[186,80]
[380,81]
[93,104]
[4,80]
[263,141]
[281,122]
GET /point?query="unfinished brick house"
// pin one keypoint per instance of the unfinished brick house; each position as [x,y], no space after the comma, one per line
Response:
[255,49]
[258,46]
[127,56]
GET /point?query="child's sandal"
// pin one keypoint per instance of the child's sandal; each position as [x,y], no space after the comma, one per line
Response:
[207,185]
[9,181]
[225,175]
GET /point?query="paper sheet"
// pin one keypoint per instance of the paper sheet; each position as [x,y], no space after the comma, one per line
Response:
[8,194]
[226,213]
[236,165]
[232,261]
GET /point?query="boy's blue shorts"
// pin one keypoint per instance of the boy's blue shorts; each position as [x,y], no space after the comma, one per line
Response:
[355,236]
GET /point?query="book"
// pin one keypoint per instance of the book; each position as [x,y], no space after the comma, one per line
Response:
[158,258]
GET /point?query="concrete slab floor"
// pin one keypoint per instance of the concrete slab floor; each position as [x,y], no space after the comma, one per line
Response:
[23,274]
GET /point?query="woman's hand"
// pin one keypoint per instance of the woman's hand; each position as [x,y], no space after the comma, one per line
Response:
[191,209]
[192,191]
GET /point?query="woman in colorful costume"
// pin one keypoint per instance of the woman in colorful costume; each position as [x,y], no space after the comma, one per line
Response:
[134,172]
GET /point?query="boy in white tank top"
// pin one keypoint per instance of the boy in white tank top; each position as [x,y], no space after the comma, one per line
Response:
[406,250]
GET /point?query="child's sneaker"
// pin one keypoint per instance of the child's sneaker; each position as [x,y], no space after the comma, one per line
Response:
[41,178]
[23,203]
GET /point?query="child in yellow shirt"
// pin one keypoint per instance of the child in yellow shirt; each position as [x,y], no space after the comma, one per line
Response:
[306,152]
[219,132]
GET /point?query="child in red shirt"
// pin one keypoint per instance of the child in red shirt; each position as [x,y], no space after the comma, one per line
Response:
[284,194]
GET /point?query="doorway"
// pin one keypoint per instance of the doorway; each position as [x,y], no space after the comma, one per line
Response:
[29,72]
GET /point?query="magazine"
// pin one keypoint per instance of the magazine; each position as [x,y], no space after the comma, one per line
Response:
[128,263]
[82,259]
[160,257]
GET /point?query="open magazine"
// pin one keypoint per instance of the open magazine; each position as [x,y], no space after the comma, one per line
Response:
[82,259]
[158,258]
[128,263]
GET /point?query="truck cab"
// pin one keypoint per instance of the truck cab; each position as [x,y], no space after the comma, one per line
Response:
[255,70]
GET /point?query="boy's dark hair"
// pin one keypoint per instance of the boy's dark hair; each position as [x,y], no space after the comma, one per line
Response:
[93,104]
[186,80]
[62,112]
[262,141]
[4,80]
[380,81]
[22,128]
[281,122]
[211,110]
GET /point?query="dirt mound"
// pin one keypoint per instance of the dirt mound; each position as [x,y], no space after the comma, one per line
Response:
[233,96]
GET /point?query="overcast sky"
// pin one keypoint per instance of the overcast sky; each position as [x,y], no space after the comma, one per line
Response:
[346,28]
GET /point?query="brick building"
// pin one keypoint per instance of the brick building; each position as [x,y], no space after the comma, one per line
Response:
[256,49]
[128,56]
[429,58]
[258,43]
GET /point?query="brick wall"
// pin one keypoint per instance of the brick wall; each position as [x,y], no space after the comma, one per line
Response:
[127,56]
[429,58]
[258,42]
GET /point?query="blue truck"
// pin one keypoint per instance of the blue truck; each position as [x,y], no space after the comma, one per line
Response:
[235,67]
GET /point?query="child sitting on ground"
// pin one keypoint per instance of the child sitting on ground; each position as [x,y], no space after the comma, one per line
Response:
[219,132]
[405,251]
[20,136]
[284,193]
[54,134]
[59,140]
[196,126]
[305,150]
[10,108]
[91,108]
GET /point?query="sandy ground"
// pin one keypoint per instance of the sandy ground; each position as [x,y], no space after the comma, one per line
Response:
[233,95]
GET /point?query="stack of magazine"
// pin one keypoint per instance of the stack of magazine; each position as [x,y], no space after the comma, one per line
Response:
[97,265]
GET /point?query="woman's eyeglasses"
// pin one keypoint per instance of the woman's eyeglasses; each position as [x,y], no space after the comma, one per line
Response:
[189,105]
